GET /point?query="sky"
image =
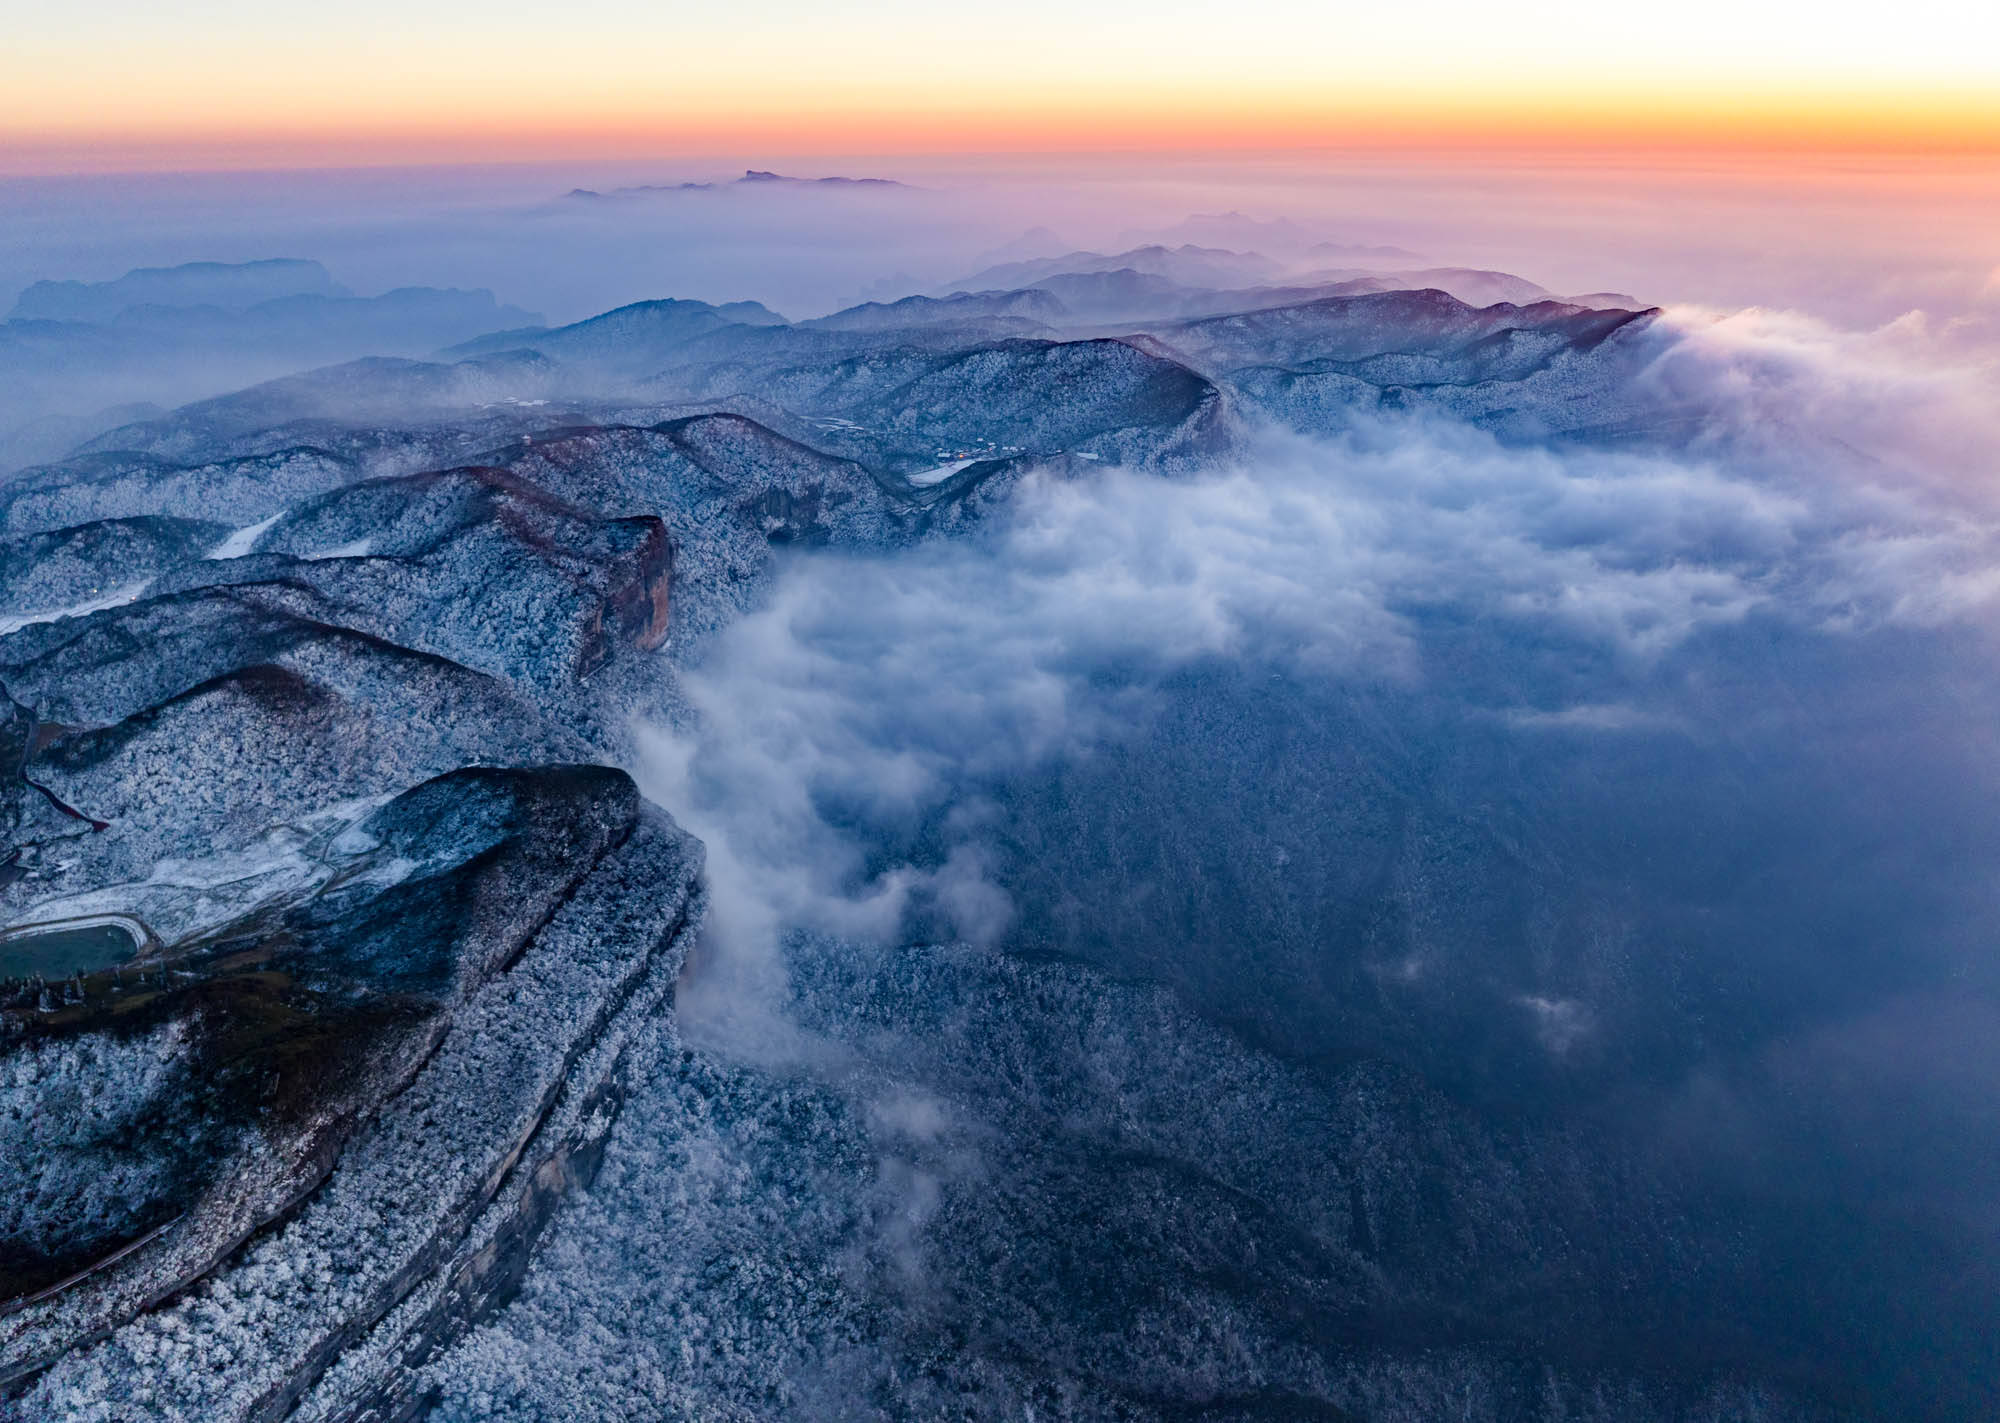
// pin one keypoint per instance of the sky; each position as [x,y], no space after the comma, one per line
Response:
[229,83]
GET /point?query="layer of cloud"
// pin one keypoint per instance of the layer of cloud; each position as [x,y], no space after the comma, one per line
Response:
[839,737]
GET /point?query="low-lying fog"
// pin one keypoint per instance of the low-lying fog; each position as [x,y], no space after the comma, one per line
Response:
[1858,240]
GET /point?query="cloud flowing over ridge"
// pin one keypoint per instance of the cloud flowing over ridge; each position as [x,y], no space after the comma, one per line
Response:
[1837,484]
[1497,863]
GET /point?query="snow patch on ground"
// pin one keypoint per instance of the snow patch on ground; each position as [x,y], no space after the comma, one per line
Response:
[118,597]
[359,548]
[244,540]
[181,898]
[923,479]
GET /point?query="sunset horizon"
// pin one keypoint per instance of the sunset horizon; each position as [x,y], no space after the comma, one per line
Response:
[158,90]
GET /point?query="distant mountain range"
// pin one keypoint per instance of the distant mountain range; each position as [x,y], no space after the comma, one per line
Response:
[1279,236]
[166,335]
[1187,264]
[1155,283]
[1186,271]
[1172,302]
[1030,304]
[1115,365]
[231,286]
[752,177]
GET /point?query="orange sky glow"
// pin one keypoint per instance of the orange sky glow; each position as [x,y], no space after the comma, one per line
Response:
[1886,124]
[225,84]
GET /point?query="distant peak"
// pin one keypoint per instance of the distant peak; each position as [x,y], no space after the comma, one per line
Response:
[232,286]
[759,175]
[752,178]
